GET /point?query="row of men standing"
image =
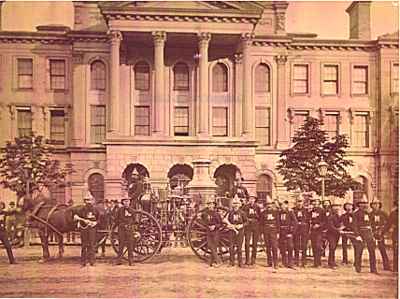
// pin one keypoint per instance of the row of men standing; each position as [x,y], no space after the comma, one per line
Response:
[290,230]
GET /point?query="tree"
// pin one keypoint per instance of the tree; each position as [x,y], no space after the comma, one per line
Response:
[27,165]
[299,164]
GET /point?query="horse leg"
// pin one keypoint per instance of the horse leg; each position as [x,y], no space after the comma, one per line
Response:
[45,246]
[60,246]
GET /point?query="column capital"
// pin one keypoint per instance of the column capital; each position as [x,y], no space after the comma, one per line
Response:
[115,36]
[204,37]
[247,39]
[159,37]
[238,58]
[281,59]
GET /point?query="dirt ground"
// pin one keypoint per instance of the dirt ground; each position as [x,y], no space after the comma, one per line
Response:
[178,273]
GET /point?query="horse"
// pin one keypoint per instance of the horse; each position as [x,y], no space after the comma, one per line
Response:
[46,216]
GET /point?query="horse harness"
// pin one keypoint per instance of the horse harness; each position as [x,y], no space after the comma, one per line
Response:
[46,222]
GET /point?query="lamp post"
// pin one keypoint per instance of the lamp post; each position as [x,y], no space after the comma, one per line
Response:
[323,169]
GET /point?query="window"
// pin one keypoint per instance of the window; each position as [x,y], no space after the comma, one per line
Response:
[360,80]
[181,76]
[300,79]
[220,121]
[181,121]
[361,129]
[97,124]
[142,76]
[262,78]
[331,124]
[395,78]
[263,132]
[57,127]
[331,79]
[97,75]
[25,72]
[264,187]
[361,189]
[57,74]
[96,186]
[57,193]
[220,78]
[299,118]
[142,120]
[24,122]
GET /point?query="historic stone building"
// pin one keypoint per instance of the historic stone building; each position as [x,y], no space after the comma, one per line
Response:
[156,85]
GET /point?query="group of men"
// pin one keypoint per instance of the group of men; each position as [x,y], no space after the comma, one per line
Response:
[290,230]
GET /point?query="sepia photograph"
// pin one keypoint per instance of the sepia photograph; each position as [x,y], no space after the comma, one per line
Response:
[199,149]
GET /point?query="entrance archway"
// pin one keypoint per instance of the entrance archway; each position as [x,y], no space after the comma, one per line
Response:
[180,175]
[134,175]
[225,176]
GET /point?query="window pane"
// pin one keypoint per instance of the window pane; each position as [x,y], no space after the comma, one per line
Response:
[395,76]
[98,124]
[330,88]
[98,76]
[142,76]
[58,194]
[263,125]
[298,120]
[300,78]
[263,187]
[25,73]
[331,124]
[361,130]
[220,121]
[330,72]
[142,120]
[181,77]
[220,78]
[57,74]
[24,123]
[360,80]
[181,121]
[57,127]
[262,78]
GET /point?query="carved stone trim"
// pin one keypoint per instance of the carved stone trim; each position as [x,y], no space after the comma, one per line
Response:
[238,58]
[204,38]
[159,37]
[115,36]
[281,59]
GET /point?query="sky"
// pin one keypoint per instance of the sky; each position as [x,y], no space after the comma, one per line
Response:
[326,18]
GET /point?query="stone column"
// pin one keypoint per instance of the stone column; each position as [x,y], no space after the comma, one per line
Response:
[203,128]
[113,107]
[78,100]
[282,119]
[248,110]
[238,95]
[159,102]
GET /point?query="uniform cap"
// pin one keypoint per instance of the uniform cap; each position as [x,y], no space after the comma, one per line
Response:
[88,196]
[236,200]
[124,199]
[376,201]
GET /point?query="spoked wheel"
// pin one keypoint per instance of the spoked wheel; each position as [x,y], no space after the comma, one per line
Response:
[146,235]
[197,237]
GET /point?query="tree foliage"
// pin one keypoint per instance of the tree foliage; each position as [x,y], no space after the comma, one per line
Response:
[299,164]
[29,161]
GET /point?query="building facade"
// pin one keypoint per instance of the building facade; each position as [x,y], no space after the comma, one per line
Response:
[154,86]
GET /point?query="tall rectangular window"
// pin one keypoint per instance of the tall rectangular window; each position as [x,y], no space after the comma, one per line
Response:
[58,194]
[57,127]
[263,131]
[331,124]
[181,121]
[220,121]
[142,120]
[24,122]
[300,79]
[142,76]
[25,72]
[57,74]
[395,78]
[299,118]
[361,129]
[360,80]
[330,79]
[97,124]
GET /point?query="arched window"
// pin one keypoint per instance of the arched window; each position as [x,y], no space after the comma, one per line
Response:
[220,78]
[264,186]
[262,78]
[142,76]
[181,76]
[96,186]
[361,189]
[97,75]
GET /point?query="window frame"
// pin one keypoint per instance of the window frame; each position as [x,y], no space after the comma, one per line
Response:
[53,141]
[293,79]
[91,76]
[293,113]
[338,120]
[227,121]
[392,77]
[19,109]
[188,121]
[322,73]
[186,87]
[135,125]
[50,76]
[17,74]
[92,125]
[269,79]
[268,127]
[137,88]
[352,82]
[368,116]
[213,80]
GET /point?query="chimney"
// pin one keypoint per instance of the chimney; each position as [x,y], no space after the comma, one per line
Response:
[360,19]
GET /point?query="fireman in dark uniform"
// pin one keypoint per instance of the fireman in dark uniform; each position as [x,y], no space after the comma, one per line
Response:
[251,230]
[393,221]
[317,221]
[327,207]
[379,219]
[363,232]
[3,232]
[87,217]
[236,220]
[213,221]
[301,235]
[348,230]
[269,224]
[287,227]
[333,233]
[126,231]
